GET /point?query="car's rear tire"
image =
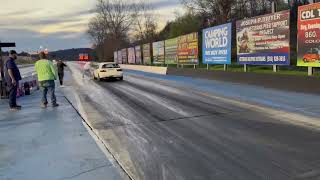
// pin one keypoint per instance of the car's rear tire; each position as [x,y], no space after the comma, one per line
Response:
[121,79]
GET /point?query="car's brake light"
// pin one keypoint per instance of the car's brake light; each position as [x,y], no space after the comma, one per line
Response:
[119,69]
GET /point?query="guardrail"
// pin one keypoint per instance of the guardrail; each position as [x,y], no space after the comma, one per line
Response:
[149,69]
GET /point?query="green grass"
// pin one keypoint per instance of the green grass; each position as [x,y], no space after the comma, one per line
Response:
[285,70]
[24,61]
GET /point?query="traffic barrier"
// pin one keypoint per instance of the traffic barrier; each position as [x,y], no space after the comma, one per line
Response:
[149,69]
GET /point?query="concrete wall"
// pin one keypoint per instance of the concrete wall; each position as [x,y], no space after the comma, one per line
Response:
[149,69]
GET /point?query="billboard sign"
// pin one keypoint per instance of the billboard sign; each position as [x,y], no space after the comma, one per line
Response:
[131,56]
[309,35]
[171,46]
[147,53]
[138,54]
[115,56]
[84,57]
[188,49]
[124,56]
[216,44]
[119,56]
[264,40]
[158,52]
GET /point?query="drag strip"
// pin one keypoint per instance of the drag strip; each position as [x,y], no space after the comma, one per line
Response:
[158,131]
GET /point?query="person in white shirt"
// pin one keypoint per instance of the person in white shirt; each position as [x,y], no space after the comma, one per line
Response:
[86,69]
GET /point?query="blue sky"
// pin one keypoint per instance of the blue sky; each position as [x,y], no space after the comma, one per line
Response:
[59,24]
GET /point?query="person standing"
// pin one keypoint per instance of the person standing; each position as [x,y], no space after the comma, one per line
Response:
[47,74]
[86,69]
[60,67]
[12,77]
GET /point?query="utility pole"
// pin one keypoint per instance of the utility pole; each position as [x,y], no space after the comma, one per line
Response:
[274,9]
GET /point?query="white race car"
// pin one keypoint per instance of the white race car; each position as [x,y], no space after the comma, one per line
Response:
[107,70]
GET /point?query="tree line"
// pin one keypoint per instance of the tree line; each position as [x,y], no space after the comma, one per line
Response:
[119,24]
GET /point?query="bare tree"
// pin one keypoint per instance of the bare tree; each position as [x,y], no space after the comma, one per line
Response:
[97,30]
[218,10]
[118,15]
[221,11]
[146,25]
[109,30]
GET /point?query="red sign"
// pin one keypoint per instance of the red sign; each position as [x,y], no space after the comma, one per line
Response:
[309,35]
[84,57]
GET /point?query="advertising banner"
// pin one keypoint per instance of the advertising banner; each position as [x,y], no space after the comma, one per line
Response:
[131,56]
[115,56]
[147,53]
[119,57]
[124,56]
[158,52]
[171,47]
[188,49]
[309,35]
[216,44]
[264,40]
[138,53]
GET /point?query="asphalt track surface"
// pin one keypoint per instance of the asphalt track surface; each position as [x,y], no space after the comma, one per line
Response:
[158,131]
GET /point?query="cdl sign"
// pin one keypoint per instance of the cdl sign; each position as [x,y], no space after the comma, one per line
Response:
[310,14]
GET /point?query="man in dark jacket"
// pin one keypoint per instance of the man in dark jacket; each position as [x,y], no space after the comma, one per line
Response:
[60,66]
[12,76]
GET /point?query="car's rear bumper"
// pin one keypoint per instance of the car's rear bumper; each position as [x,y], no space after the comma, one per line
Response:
[117,75]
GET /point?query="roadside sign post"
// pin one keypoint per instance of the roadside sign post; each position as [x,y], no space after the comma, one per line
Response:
[245,68]
[310,71]
[275,68]
[225,67]
[273,6]
[194,66]
[208,67]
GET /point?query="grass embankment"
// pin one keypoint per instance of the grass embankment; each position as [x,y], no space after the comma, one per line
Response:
[286,70]
[22,60]
[25,61]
